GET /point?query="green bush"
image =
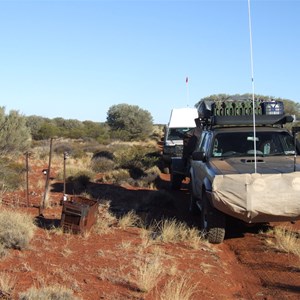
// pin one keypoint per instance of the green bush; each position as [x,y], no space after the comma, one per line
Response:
[131,121]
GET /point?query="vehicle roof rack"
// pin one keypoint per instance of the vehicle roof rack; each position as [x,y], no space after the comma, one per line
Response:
[248,120]
[240,112]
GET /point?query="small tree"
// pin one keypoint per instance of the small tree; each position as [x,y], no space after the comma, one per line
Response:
[46,131]
[34,123]
[129,122]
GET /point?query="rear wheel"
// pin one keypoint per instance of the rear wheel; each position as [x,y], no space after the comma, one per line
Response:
[193,208]
[212,222]
[176,180]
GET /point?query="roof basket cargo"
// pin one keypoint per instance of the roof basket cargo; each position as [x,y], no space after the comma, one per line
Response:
[248,120]
[240,112]
[208,108]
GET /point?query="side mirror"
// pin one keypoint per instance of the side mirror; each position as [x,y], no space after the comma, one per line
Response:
[199,156]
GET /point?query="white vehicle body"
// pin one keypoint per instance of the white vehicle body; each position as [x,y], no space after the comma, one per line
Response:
[181,121]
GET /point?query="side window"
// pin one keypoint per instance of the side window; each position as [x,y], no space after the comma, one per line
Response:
[288,144]
[217,150]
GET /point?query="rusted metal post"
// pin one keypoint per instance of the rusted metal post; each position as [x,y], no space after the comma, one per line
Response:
[27,178]
[66,155]
[42,206]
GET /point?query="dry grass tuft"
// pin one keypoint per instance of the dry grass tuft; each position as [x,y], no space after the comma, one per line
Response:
[178,289]
[285,240]
[172,231]
[66,252]
[56,292]
[146,237]
[56,230]
[16,229]
[130,219]
[7,285]
[147,273]
[105,218]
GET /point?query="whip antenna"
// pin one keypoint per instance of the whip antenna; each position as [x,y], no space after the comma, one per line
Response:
[187,91]
[252,82]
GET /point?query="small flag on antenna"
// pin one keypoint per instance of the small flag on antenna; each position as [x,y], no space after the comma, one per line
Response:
[186,80]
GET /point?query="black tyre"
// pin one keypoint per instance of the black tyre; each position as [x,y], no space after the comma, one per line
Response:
[176,180]
[212,222]
[193,208]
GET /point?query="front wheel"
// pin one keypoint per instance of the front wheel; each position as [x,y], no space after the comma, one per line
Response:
[212,222]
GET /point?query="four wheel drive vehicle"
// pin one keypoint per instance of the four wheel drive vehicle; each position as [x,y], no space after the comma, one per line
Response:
[181,121]
[251,173]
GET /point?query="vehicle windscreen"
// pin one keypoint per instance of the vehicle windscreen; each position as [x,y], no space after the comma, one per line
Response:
[178,133]
[228,144]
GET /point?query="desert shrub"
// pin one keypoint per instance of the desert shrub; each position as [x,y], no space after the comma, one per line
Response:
[80,181]
[55,292]
[78,153]
[16,229]
[14,134]
[40,149]
[102,164]
[151,159]
[46,131]
[60,149]
[134,156]
[77,166]
[91,146]
[157,133]
[97,131]
[103,154]
[133,122]
[11,173]
[149,178]
[116,176]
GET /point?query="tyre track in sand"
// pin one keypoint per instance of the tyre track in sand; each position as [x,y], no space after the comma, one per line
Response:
[257,270]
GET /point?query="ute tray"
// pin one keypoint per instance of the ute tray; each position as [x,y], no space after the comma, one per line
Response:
[78,214]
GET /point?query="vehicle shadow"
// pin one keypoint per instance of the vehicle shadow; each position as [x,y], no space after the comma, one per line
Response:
[152,206]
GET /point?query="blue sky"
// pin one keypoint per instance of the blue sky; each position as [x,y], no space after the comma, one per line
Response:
[75,59]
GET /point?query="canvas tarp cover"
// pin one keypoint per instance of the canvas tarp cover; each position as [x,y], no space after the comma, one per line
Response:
[258,197]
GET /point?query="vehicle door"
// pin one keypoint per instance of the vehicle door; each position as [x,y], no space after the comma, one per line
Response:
[198,166]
